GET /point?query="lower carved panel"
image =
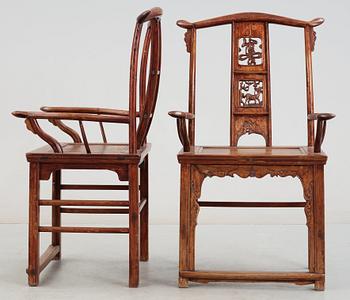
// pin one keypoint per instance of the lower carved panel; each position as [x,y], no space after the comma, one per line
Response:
[200,172]
[248,125]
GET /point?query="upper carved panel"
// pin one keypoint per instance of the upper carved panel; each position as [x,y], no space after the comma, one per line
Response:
[249,51]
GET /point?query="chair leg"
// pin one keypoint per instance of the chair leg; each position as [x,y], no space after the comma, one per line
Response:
[34,219]
[56,211]
[311,243]
[133,226]
[144,227]
[184,226]
[319,226]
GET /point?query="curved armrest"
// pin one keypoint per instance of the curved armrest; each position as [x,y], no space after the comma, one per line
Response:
[88,110]
[71,116]
[181,115]
[321,116]
[56,117]
[322,119]
[182,131]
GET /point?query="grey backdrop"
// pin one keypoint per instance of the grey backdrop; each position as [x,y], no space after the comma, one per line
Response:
[76,53]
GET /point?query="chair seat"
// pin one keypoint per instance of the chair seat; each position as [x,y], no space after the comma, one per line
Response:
[99,152]
[283,155]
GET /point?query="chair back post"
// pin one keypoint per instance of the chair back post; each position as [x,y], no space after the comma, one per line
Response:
[310,38]
[190,38]
[133,87]
[147,92]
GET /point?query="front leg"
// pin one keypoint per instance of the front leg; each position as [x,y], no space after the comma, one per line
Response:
[185,187]
[144,226]
[134,254]
[34,219]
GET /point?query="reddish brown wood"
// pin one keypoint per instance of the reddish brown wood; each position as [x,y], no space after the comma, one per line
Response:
[144,208]
[72,116]
[83,203]
[319,225]
[184,228]
[34,217]
[151,92]
[249,17]
[252,276]
[71,132]
[51,253]
[251,113]
[126,160]
[88,110]
[94,187]
[134,237]
[66,210]
[83,229]
[83,134]
[103,133]
[249,204]
[56,211]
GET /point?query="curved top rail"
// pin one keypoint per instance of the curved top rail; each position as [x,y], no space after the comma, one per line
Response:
[249,17]
[149,14]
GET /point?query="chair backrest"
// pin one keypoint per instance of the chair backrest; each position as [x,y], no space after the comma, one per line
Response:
[250,71]
[144,76]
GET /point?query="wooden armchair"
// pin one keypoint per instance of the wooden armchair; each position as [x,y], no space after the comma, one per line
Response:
[127,160]
[251,113]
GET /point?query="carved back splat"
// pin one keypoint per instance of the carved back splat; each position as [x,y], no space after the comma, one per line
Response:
[250,81]
[250,71]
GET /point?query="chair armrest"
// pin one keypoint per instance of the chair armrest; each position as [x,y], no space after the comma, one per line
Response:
[88,110]
[31,121]
[321,116]
[71,116]
[321,119]
[181,115]
[182,131]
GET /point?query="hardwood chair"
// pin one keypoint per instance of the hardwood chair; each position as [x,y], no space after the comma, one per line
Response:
[251,113]
[127,160]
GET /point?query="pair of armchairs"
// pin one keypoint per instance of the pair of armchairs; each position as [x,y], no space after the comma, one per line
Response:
[250,113]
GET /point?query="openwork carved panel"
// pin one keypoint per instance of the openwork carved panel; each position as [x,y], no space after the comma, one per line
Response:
[250,93]
[249,51]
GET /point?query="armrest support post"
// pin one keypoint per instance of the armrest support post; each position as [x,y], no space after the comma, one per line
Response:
[70,131]
[33,126]
[321,119]
[86,143]
[103,133]
[182,130]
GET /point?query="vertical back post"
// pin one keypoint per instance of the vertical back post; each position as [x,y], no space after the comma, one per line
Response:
[133,88]
[310,37]
[190,39]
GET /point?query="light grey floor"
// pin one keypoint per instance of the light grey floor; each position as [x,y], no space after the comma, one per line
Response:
[96,266]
